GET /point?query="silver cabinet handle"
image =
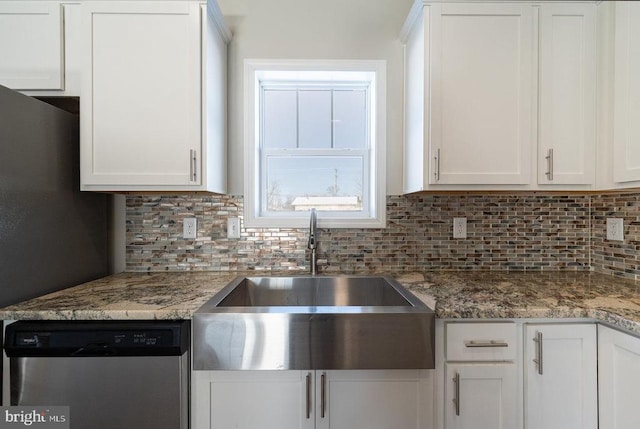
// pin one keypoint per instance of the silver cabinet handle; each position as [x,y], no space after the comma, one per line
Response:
[308,395]
[193,173]
[323,394]
[456,392]
[538,359]
[549,159]
[490,343]
[437,169]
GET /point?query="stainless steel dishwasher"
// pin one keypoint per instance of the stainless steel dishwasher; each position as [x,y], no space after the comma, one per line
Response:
[124,374]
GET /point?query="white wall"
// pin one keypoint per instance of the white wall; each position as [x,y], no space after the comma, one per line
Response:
[316,29]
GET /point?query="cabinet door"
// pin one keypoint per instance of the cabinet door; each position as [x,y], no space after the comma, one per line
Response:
[567,94]
[618,379]
[141,103]
[561,384]
[480,396]
[481,93]
[626,154]
[31,45]
[253,400]
[376,399]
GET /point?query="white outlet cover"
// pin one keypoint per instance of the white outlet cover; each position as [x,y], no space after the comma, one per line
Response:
[190,228]
[459,227]
[615,229]
[233,227]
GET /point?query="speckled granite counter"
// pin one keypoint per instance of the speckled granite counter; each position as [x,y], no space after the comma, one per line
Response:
[487,295]
[453,294]
[125,296]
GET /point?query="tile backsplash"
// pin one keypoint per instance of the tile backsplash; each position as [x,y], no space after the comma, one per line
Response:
[616,257]
[504,233]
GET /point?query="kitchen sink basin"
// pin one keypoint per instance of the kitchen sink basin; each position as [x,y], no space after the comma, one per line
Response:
[341,322]
[314,292]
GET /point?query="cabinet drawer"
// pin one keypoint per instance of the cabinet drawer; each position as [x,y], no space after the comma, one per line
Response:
[480,341]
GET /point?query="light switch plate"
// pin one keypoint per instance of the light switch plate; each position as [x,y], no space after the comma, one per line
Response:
[190,228]
[459,227]
[615,229]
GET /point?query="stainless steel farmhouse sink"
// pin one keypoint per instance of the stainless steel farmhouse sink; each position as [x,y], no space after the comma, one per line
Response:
[343,322]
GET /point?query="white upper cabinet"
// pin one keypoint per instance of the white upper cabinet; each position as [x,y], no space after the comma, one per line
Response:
[31,45]
[481,94]
[469,70]
[626,146]
[567,94]
[497,92]
[142,110]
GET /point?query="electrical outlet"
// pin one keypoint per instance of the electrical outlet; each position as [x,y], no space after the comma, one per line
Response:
[233,227]
[459,227]
[615,229]
[190,227]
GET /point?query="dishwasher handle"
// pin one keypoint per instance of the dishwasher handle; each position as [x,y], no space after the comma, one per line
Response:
[96,349]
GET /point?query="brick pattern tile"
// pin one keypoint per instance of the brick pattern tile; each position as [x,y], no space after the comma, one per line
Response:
[504,233]
[616,257]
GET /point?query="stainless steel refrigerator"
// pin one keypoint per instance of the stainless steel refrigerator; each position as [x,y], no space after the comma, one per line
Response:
[52,236]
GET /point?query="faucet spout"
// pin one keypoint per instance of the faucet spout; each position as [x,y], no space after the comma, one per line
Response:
[313,242]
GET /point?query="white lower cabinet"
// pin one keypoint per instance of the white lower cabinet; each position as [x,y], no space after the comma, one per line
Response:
[251,399]
[480,396]
[480,375]
[618,378]
[354,399]
[561,390]
[492,369]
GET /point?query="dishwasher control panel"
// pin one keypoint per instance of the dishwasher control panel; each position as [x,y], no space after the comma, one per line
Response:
[89,338]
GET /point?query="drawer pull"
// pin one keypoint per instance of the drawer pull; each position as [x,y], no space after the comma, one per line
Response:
[491,343]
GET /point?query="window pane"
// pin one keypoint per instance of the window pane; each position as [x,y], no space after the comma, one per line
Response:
[350,119]
[327,183]
[279,125]
[315,119]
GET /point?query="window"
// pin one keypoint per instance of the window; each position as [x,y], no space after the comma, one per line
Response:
[315,139]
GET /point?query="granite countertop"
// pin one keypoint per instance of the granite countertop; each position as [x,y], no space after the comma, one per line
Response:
[141,296]
[453,294]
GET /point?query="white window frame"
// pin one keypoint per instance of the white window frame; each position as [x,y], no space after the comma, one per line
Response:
[373,216]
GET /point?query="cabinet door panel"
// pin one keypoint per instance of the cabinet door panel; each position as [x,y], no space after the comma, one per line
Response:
[252,400]
[618,378]
[564,396]
[141,112]
[31,45]
[486,398]
[481,71]
[627,93]
[567,94]
[373,400]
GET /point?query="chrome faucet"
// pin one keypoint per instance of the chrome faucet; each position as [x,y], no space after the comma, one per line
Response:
[313,242]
